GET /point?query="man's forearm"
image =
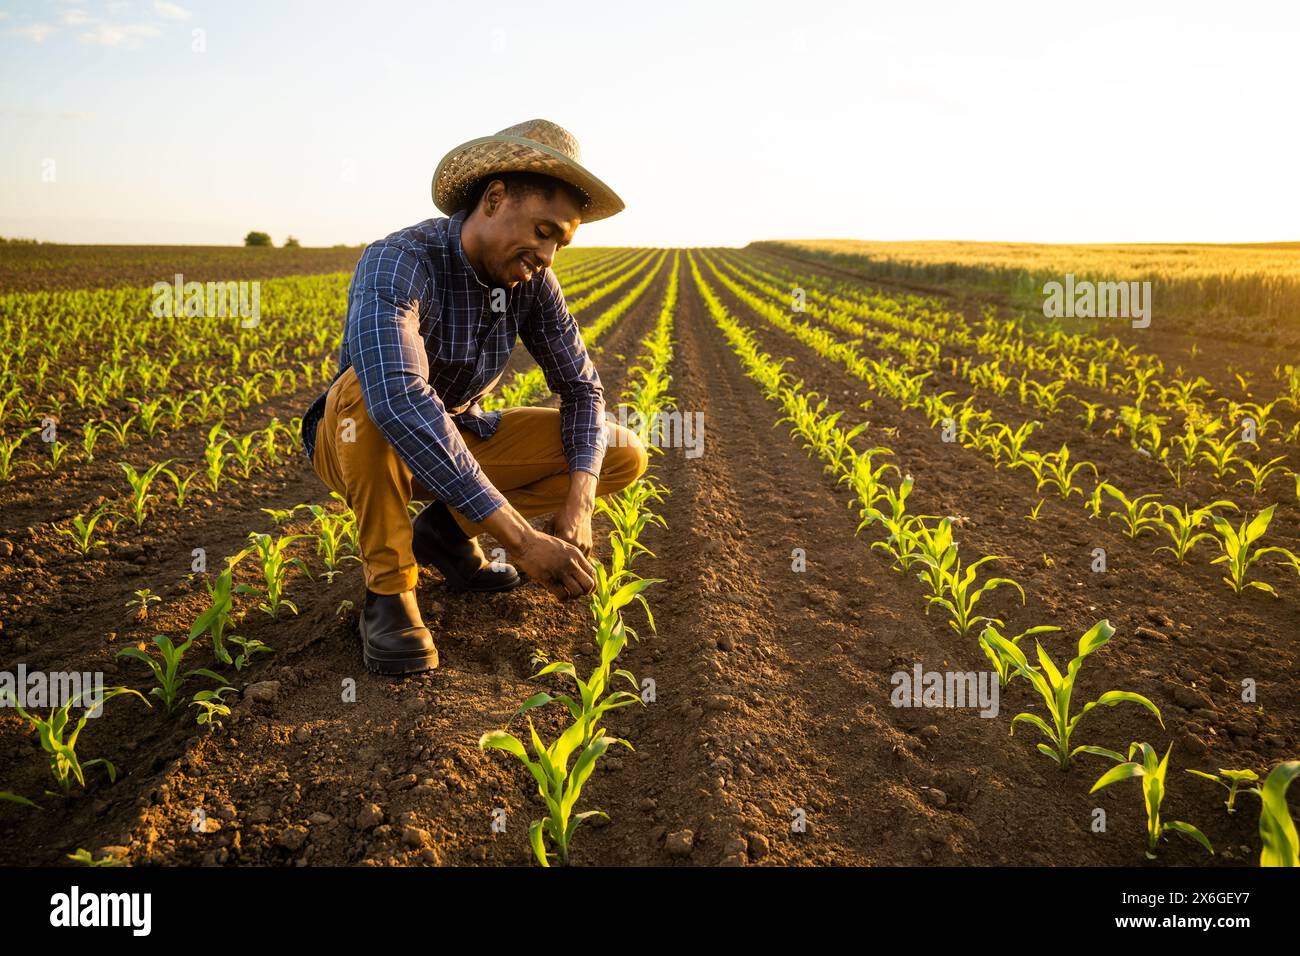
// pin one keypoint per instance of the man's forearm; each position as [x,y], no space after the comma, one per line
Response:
[513,530]
[509,527]
[582,492]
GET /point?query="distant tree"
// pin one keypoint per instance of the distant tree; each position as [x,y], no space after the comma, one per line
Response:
[257,239]
[291,243]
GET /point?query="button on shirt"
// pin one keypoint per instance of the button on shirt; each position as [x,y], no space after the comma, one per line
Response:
[427,345]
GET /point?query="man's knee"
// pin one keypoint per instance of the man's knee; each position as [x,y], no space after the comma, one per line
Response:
[361,447]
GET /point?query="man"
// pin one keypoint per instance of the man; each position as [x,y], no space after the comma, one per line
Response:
[433,313]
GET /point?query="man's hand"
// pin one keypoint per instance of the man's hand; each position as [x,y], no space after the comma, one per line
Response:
[557,565]
[573,520]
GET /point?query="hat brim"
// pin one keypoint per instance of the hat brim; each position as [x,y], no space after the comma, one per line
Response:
[467,163]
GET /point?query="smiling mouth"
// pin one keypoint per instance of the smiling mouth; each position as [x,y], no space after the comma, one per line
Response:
[527,269]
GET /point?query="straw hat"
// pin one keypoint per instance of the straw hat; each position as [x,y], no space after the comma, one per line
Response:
[537,146]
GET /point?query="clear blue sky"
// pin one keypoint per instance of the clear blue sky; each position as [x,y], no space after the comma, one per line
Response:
[718,123]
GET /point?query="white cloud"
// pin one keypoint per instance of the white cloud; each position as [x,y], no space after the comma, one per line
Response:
[76,18]
[35,32]
[107,34]
[170,11]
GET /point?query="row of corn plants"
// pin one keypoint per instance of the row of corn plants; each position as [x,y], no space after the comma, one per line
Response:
[255,451]
[168,661]
[1053,471]
[1112,366]
[1145,431]
[584,739]
[928,544]
[161,374]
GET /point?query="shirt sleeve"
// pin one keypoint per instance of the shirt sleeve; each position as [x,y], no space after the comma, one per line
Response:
[552,338]
[392,366]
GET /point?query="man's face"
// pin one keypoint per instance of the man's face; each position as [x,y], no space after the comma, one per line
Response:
[521,234]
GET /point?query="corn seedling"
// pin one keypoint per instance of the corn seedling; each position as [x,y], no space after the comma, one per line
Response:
[150,413]
[57,450]
[84,857]
[1239,553]
[557,784]
[211,706]
[937,550]
[1057,473]
[1151,771]
[245,453]
[143,598]
[120,430]
[281,516]
[1094,500]
[248,647]
[1013,442]
[176,406]
[181,485]
[1256,475]
[1001,663]
[1137,515]
[899,540]
[217,616]
[168,675]
[140,484]
[331,536]
[1231,780]
[1221,454]
[215,457]
[1262,415]
[82,531]
[1144,428]
[270,444]
[1033,512]
[614,590]
[1045,397]
[1181,524]
[1056,690]
[961,594]
[61,743]
[7,448]
[275,564]
[864,476]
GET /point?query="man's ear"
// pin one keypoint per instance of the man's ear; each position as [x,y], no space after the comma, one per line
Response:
[494,197]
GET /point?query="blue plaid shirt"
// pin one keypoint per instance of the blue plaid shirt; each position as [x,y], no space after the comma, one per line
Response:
[427,347]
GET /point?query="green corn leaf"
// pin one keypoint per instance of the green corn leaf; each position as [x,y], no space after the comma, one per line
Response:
[1277,830]
[535,839]
[1187,829]
[1125,771]
[502,740]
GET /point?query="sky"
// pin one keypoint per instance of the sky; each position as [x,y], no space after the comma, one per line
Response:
[717,123]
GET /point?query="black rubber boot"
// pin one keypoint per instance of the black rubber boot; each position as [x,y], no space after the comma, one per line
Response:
[439,541]
[394,639]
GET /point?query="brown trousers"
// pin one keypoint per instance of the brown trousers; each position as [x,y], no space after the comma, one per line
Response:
[524,460]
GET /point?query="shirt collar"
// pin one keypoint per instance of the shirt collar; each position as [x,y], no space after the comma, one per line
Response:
[453,234]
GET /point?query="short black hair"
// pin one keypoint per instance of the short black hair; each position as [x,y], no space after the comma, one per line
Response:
[519,184]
